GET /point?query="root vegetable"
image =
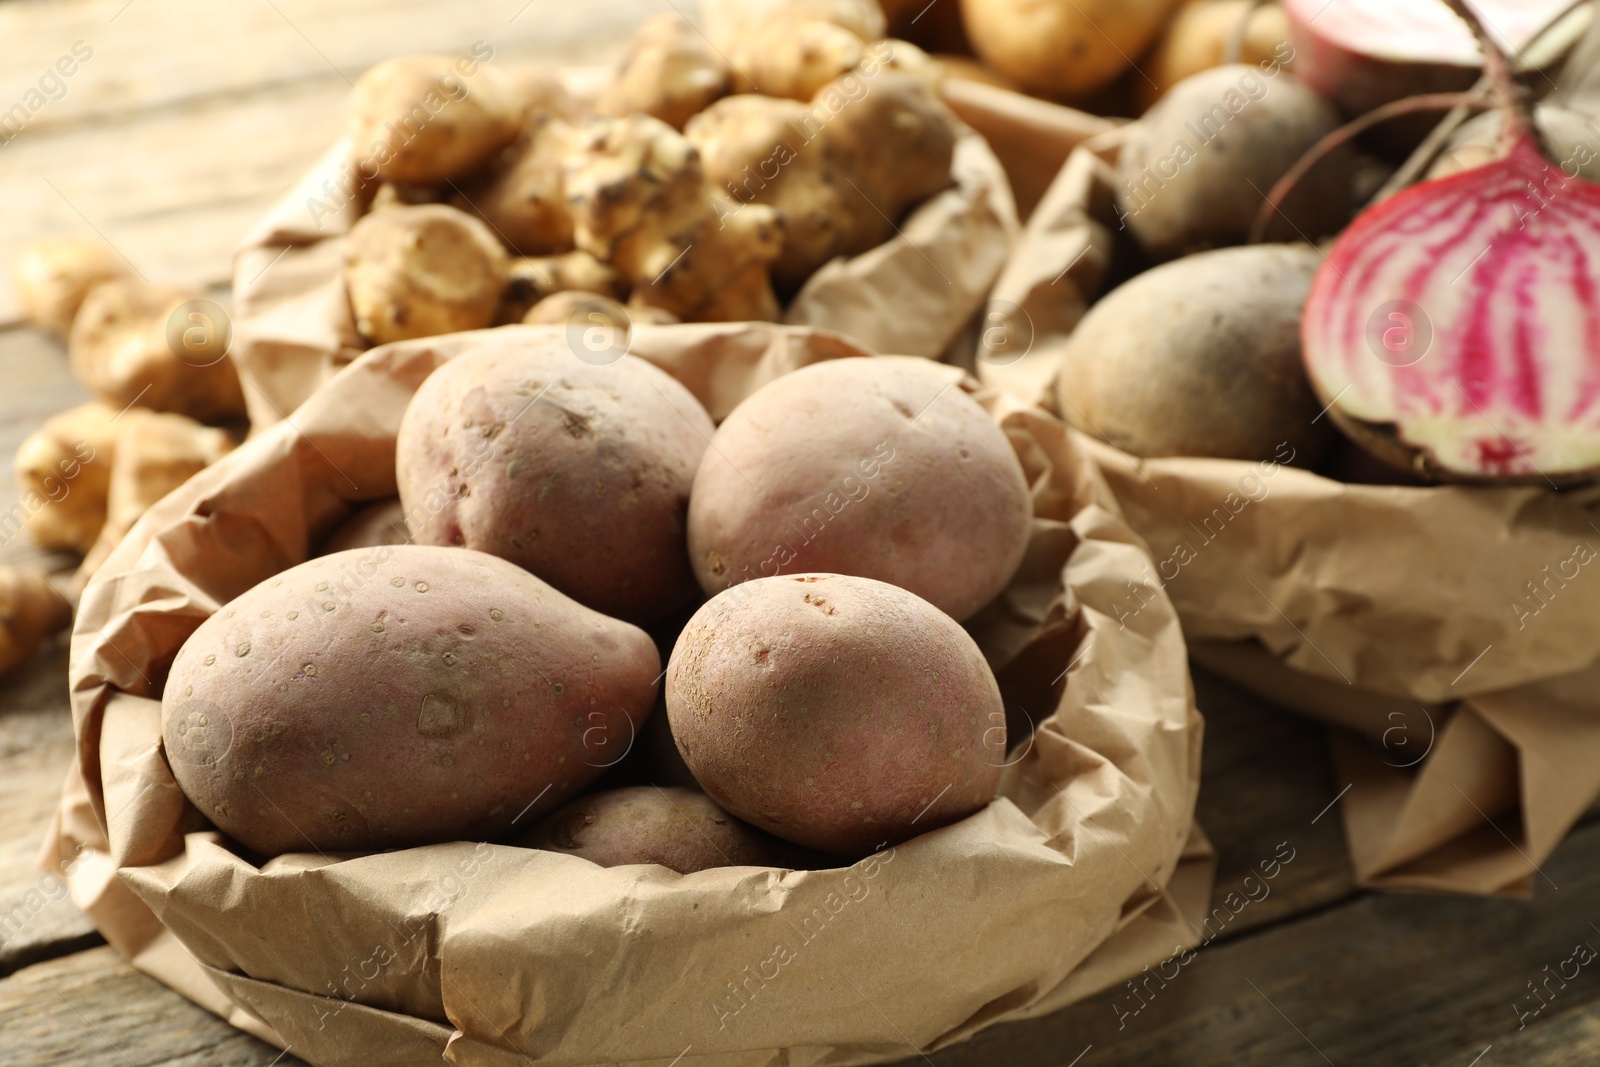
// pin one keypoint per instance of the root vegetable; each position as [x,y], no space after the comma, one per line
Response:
[680,829]
[63,473]
[1200,357]
[793,59]
[1365,53]
[894,148]
[839,713]
[162,347]
[153,455]
[383,523]
[382,698]
[558,309]
[54,275]
[878,467]
[30,611]
[576,471]
[642,203]
[1453,330]
[430,119]
[422,271]
[1205,156]
[670,72]
[1199,37]
[1063,47]
[841,177]
[530,280]
[521,198]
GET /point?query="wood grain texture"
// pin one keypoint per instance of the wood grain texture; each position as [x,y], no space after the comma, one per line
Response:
[1379,981]
[36,918]
[193,116]
[91,1008]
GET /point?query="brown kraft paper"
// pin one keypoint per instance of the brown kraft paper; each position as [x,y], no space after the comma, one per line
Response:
[1453,626]
[1086,868]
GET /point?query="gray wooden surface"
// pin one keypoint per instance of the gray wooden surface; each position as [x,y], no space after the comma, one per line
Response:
[191,117]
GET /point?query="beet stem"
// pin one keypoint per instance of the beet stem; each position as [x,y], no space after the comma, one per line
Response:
[1514,97]
[1285,186]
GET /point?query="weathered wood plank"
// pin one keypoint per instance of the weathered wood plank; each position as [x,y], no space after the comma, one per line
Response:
[1266,791]
[174,160]
[37,920]
[91,1008]
[37,384]
[1381,981]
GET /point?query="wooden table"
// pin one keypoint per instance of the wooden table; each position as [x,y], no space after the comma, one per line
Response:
[189,119]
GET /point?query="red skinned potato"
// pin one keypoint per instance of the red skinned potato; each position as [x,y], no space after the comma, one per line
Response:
[839,713]
[578,472]
[879,467]
[389,697]
[680,829]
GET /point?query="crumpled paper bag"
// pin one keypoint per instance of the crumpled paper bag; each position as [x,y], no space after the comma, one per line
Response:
[1452,626]
[1085,869]
[913,295]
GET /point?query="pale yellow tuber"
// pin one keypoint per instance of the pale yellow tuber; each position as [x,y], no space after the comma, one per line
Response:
[670,72]
[577,307]
[54,275]
[894,146]
[641,202]
[431,118]
[30,611]
[154,454]
[1063,47]
[63,473]
[793,58]
[422,271]
[755,149]
[159,346]
[534,278]
[1198,38]
[520,196]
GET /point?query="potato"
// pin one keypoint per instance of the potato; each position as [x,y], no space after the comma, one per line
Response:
[578,471]
[521,197]
[596,309]
[54,274]
[1200,357]
[896,145]
[422,271]
[30,610]
[153,455]
[531,279]
[755,148]
[383,523]
[670,71]
[388,697]
[430,119]
[1198,39]
[840,713]
[163,347]
[1063,47]
[1207,154]
[877,467]
[63,473]
[680,829]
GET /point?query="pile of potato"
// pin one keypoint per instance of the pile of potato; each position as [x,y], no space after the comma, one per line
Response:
[701,184]
[477,657]
[167,403]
